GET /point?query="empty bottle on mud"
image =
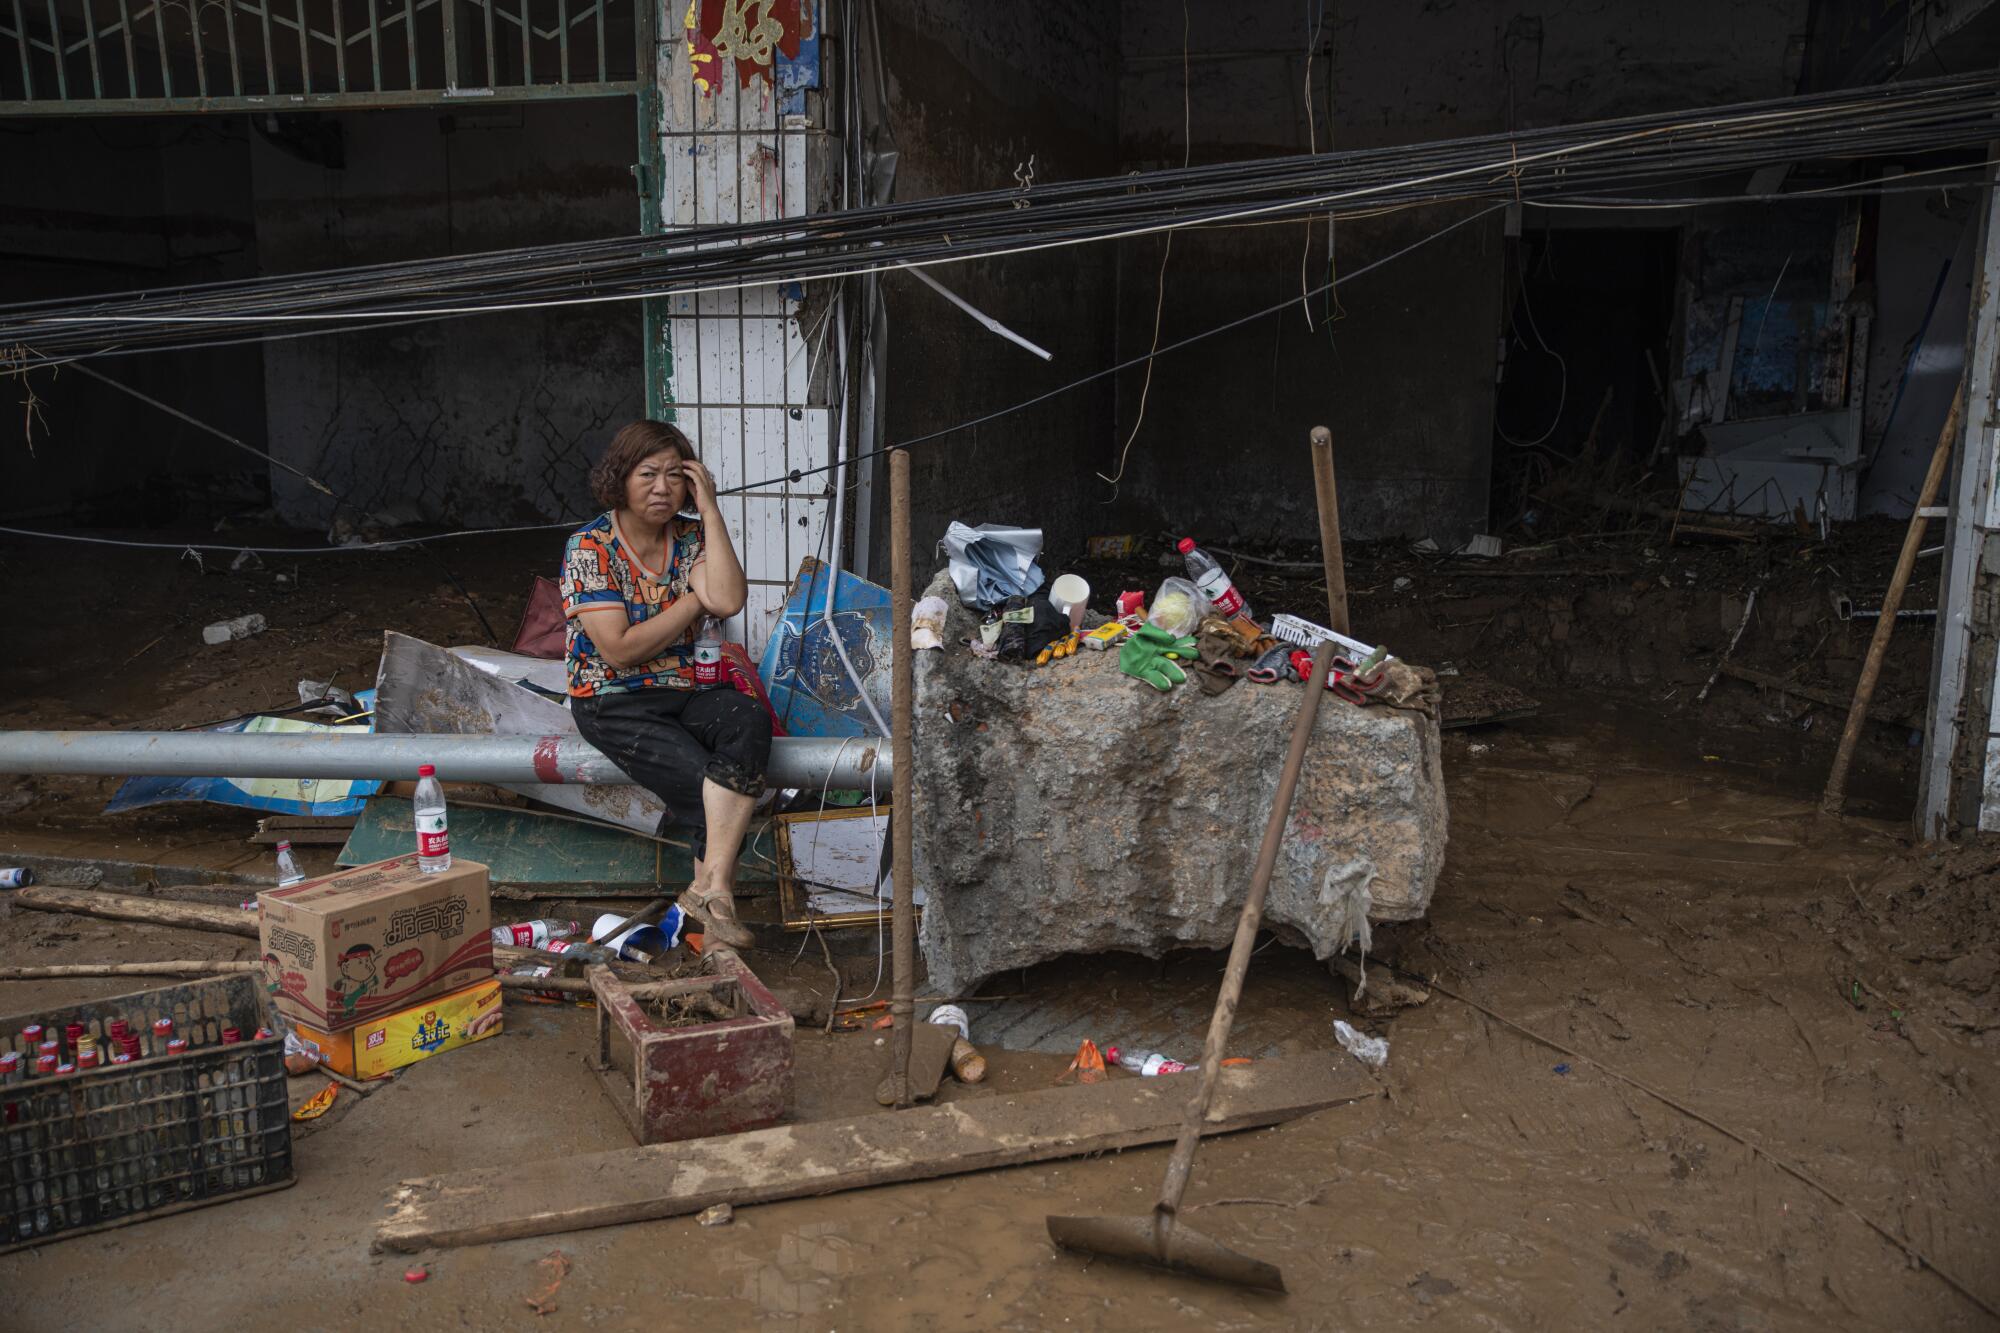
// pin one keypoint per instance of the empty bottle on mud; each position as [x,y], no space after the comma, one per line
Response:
[535,934]
[1213,580]
[433,836]
[288,866]
[1146,1064]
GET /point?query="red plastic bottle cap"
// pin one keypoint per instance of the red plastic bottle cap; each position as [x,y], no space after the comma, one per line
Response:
[65,1068]
[52,1049]
[265,1034]
[415,1274]
[427,770]
[163,1027]
[119,1027]
[231,1036]
[46,1064]
[10,1061]
[1186,545]
[73,1031]
[178,1046]
[122,1058]
[86,1060]
[129,1045]
[31,1035]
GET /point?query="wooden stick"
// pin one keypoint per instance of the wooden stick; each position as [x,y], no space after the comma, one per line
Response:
[185,967]
[1329,530]
[132,907]
[1892,601]
[902,710]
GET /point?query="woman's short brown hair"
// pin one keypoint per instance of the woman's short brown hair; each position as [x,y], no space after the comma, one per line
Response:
[630,447]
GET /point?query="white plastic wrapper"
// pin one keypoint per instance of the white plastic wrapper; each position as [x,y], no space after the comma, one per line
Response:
[1177,607]
[1370,1051]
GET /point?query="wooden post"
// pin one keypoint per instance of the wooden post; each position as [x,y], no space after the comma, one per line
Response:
[1892,602]
[1329,530]
[902,814]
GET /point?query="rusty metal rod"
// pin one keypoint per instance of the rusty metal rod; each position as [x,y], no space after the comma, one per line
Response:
[1878,647]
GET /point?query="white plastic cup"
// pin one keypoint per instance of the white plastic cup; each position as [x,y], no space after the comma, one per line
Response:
[1069,594]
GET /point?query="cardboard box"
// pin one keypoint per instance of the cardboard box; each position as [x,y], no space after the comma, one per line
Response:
[361,944]
[384,1045]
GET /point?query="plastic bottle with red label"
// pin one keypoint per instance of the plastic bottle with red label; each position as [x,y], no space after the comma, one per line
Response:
[708,655]
[535,934]
[433,830]
[1146,1064]
[1214,582]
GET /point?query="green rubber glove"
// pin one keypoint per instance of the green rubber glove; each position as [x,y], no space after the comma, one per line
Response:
[1150,654]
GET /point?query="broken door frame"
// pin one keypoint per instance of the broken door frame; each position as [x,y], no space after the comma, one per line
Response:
[1959,783]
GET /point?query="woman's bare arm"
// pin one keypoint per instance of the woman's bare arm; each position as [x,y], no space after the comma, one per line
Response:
[718,580]
[626,645]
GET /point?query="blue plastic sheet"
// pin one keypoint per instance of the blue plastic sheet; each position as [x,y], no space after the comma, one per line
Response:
[810,690]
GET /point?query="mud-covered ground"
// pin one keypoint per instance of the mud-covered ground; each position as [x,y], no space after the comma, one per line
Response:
[1775,1031]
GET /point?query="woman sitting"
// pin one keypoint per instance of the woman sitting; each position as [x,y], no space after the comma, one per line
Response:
[637,582]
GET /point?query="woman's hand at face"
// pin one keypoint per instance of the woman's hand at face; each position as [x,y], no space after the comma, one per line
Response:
[701,486]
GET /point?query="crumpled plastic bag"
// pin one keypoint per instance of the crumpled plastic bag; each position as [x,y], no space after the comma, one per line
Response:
[1370,1051]
[991,563]
[1177,608]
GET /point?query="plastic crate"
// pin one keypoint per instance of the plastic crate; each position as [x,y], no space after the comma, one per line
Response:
[102,1147]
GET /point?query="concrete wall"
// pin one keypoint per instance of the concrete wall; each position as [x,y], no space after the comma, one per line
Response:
[107,206]
[489,420]
[1404,372]
[975,90]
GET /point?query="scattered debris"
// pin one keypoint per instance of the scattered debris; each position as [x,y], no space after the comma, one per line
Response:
[558,1265]
[242,627]
[717,1215]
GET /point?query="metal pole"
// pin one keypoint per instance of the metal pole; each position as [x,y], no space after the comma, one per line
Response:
[1329,530]
[902,813]
[796,761]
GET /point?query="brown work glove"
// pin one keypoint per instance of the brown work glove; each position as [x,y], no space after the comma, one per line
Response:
[1246,640]
[1218,668]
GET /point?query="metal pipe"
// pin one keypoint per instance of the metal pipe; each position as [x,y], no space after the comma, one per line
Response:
[902,816]
[796,761]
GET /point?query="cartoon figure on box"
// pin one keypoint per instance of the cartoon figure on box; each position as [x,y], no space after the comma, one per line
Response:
[357,978]
[431,1033]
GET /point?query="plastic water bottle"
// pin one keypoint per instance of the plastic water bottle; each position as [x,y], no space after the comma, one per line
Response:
[535,934]
[708,655]
[1213,581]
[288,868]
[433,837]
[1146,1064]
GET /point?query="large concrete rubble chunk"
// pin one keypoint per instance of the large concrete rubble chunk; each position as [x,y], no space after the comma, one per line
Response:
[1072,809]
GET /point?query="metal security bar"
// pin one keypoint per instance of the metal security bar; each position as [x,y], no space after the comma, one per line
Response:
[125,57]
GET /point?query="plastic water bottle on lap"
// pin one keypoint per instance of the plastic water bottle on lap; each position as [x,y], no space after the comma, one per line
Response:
[708,655]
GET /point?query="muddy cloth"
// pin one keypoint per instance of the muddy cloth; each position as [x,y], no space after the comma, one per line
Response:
[667,741]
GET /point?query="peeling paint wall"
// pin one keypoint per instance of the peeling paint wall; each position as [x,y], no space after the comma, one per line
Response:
[1403,371]
[488,420]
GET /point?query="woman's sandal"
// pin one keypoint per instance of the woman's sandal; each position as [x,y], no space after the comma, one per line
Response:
[717,914]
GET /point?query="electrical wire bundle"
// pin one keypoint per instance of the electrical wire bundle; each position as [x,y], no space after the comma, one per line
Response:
[1604,161]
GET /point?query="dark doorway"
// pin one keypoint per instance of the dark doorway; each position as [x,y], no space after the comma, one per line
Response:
[1579,406]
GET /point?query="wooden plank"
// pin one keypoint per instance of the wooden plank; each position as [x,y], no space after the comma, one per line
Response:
[132,907]
[798,1161]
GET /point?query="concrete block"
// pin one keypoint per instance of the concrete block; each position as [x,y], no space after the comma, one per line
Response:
[1072,809]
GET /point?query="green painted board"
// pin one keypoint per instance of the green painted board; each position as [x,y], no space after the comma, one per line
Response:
[529,847]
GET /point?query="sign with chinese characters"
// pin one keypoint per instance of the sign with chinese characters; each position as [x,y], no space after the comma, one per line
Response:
[752,33]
